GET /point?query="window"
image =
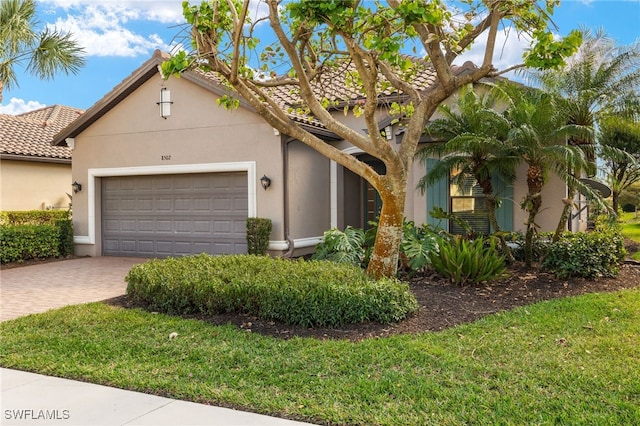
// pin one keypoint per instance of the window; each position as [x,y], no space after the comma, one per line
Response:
[467,202]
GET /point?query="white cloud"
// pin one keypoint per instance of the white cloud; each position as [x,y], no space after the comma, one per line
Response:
[508,50]
[163,11]
[110,28]
[18,106]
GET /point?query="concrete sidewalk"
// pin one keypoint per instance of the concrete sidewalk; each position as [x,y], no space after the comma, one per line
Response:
[33,399]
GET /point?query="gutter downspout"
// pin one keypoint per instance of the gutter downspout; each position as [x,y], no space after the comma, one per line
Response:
[286,140]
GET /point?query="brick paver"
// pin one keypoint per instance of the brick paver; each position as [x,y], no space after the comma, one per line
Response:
[39,288]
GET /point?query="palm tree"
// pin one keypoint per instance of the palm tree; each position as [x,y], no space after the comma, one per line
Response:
[538,134]
[600,80]
[474,145]
[42,54]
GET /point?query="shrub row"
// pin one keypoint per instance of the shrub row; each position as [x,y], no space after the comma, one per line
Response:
[35,235]
[33,217]
[307,293]
[586,254]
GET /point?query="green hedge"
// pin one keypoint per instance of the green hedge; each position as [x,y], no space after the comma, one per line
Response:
[35,234]
[258,233]
[33,217]
[586,254]
[307,293]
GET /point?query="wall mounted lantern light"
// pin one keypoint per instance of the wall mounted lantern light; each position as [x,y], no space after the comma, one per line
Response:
[77,187]
[165,103]
[265,182]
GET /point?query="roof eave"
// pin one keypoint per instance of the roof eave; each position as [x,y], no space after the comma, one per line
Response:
[35,159]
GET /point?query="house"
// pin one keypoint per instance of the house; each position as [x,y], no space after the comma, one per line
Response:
[165,171]
[34,174]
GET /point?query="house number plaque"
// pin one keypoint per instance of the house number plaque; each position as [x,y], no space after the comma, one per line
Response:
[166,157]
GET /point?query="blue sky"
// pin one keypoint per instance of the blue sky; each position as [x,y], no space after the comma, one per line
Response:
[120,35]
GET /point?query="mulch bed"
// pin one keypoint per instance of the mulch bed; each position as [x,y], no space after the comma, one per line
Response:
[442,304]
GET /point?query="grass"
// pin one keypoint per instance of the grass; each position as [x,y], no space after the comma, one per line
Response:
[631,229]
[569,361]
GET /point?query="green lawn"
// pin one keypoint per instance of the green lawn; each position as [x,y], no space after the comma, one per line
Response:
[631,229]
[570,361]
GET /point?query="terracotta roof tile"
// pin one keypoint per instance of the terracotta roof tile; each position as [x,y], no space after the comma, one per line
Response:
[336,87]
[31,134]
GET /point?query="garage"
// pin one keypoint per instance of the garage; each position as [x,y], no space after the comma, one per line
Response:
[174,215]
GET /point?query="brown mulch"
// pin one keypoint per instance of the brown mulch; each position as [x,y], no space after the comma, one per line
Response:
[441,304]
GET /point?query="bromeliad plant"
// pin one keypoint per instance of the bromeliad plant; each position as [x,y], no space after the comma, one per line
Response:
[468,262]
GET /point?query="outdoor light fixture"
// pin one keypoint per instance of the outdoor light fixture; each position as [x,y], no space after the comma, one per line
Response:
[265,182]
[165,103]
[77,187]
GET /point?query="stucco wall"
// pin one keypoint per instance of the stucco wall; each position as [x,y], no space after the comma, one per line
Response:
[309,189]
[134,135]
[29,185]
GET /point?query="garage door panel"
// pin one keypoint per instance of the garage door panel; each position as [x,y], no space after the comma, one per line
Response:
[170,215]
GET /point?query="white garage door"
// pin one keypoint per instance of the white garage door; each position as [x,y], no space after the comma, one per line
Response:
[173,215]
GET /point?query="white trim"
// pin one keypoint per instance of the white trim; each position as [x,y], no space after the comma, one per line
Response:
[92,174]
[333,184]
[297,243]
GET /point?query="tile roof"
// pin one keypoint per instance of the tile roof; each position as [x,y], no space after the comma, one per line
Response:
[30,134]
[336,86]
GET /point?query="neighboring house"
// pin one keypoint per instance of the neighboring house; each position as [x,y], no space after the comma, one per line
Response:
[34,174]
[185,180]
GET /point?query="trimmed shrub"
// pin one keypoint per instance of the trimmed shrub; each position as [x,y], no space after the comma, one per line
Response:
[258,233]
[306,293]
[35,217]
[23,242]
[468,262]
[586,254]
[35,235]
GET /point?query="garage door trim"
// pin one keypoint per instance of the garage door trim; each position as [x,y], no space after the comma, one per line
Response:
[92,174]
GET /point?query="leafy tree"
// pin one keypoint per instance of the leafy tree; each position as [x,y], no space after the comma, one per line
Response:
[42,53]
[600,80]
[619,140]
[475,135]
[362,45]
[631,196]
[538,135]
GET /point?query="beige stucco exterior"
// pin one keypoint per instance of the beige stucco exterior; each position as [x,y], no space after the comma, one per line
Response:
[34,185]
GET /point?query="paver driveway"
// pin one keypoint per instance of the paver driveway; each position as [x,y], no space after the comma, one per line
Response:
[38,288]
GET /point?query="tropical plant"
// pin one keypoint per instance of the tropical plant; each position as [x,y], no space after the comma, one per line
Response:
[601,80]
[362,46]
[468,262]
[538,135]
[417,245]
[42,53]
[474,145]
[342,246]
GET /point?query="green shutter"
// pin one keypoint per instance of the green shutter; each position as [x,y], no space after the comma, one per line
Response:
[437,196]
[504,213]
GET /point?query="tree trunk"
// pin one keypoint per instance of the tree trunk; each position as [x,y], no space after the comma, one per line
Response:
[384,259]
[615,204]
[532,203]
[566,211]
